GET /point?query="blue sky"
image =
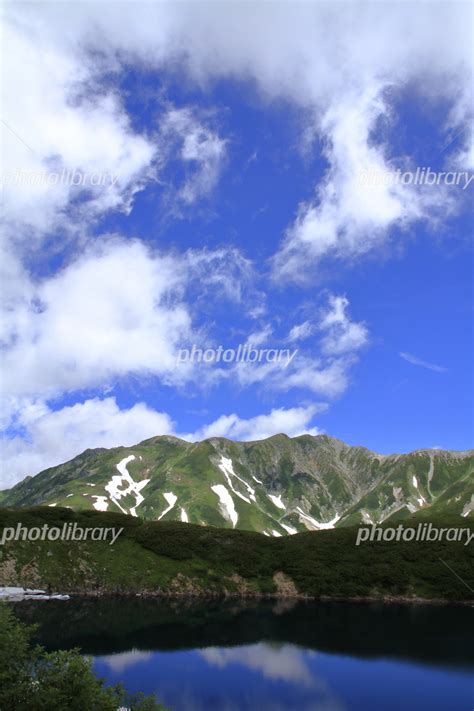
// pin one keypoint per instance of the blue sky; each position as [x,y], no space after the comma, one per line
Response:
[231,146]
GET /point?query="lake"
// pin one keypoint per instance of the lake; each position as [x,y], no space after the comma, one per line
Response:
[239,655]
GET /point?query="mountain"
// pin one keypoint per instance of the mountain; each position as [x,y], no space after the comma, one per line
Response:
[276,486]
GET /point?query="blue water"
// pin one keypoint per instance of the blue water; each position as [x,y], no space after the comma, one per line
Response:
[245,656]
[276,677]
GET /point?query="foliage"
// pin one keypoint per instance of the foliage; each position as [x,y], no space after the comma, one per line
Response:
[171,558]
[32,679]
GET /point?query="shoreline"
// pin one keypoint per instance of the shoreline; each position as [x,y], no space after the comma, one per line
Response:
[71,595]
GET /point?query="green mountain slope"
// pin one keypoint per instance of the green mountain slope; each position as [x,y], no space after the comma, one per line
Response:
[171,558]
[276,486]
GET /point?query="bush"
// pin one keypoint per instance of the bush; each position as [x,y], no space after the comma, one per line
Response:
[32,679]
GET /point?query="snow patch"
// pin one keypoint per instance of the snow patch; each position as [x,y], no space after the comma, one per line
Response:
[227,469]
[258,482]
[276,534]
[468,507]
[131,487]
[366,517]
[317,524]
[184,516]
[288,529]
[277,501]
[101,503]
[14,594]
[421,500]
[227,503]
[430,475]
[171,499]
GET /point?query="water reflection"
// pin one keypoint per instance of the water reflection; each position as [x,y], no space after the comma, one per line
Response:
[261,676]
[247,656]
[287,663]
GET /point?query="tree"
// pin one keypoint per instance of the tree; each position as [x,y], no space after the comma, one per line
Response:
[32,679]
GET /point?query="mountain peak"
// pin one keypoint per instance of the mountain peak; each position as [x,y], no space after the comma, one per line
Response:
[278,486]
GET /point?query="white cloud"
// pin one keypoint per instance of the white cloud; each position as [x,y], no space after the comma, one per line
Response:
[49,124]
[119,309]
[328,378]
[336,65]
[258,337]
[114,311]
[350,215]
[341,334]
[201,149]
[224,273]
[57,436]
[324,369]
[301,331]
[49,437]
[423,363]
[60,118]
[293,421]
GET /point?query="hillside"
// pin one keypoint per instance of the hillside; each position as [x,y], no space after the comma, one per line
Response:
[276,486]
[169,558]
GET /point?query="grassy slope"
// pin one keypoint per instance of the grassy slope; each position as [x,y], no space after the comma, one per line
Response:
[175,558]
[320,474]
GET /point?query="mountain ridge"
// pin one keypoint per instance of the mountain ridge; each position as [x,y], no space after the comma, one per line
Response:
[278,486]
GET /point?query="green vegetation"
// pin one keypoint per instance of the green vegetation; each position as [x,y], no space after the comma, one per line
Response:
[170,558]
[318,476]
[32,679]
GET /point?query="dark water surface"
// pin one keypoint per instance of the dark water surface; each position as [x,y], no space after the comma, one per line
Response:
[267,656]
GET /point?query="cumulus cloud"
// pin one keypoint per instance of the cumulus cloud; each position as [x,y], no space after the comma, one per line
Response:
[69,150]
[55,436]
[115,310]
[293,421]
[51,128]
[335,65]
[119,309]
[48,437]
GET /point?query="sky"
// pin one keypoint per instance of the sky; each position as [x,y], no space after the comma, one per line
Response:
[235,219]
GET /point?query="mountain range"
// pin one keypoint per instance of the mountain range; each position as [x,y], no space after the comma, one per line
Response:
[276,486]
